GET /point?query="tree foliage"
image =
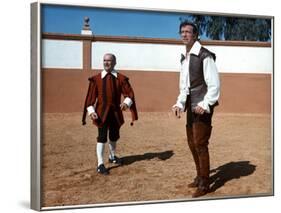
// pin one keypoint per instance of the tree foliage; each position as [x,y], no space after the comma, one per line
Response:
[232,28]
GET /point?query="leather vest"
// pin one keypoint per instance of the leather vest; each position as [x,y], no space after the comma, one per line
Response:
[198,87]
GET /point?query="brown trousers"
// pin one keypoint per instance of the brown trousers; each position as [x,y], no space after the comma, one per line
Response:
[198,130]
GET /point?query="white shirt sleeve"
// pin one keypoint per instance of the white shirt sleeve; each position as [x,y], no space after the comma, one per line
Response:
[183,91]
[128,101]
[181,100]
[90,110]
[212,80]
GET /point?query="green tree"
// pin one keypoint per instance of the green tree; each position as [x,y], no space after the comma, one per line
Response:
[215,27]
[232,28]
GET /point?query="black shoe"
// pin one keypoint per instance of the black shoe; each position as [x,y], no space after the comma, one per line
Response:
[102,170]
[115,160]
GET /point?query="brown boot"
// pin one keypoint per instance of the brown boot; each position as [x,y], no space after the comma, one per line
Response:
[202,189]
[201,133]
[195,183]
[191,145]
[203,186]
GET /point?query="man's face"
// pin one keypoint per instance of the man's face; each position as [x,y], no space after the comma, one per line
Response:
[108,63]
[187,35]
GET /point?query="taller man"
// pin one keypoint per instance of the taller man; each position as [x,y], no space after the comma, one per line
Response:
[199,93]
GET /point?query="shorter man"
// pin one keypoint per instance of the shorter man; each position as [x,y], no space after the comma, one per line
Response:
[103,104]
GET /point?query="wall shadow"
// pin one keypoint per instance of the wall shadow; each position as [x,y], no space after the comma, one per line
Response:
[25,204]
[229,171]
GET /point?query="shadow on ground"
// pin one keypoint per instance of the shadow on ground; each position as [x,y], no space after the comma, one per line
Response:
[127,160]
[229,171]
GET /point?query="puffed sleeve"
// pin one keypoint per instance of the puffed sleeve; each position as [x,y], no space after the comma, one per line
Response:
[90,98]
[129,95]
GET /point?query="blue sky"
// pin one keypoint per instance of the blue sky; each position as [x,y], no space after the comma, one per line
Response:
[106,21]
[114,22]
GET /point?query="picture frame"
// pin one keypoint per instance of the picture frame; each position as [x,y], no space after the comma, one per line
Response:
[47,98]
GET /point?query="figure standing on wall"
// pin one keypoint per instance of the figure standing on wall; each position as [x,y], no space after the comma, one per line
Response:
[103,104]
[199,93]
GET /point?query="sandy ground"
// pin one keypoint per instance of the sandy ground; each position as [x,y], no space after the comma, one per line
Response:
[157,161]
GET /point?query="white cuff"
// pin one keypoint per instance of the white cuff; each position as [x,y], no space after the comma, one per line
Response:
[90,110]
[204,106]
[128,102]
[179,105]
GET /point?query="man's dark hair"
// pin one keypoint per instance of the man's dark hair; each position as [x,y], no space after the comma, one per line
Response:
[114,57]
[194,27]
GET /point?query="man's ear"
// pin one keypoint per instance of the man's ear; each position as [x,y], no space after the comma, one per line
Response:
[195,36]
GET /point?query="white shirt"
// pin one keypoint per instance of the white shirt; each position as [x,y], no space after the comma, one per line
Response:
[128,101]
[211,77]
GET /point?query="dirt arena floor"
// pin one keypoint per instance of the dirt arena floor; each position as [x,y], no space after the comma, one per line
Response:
[157,161]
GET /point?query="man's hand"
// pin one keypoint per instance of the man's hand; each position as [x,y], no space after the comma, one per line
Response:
[124,106]
[94,116]
[177,111]
[199,110]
